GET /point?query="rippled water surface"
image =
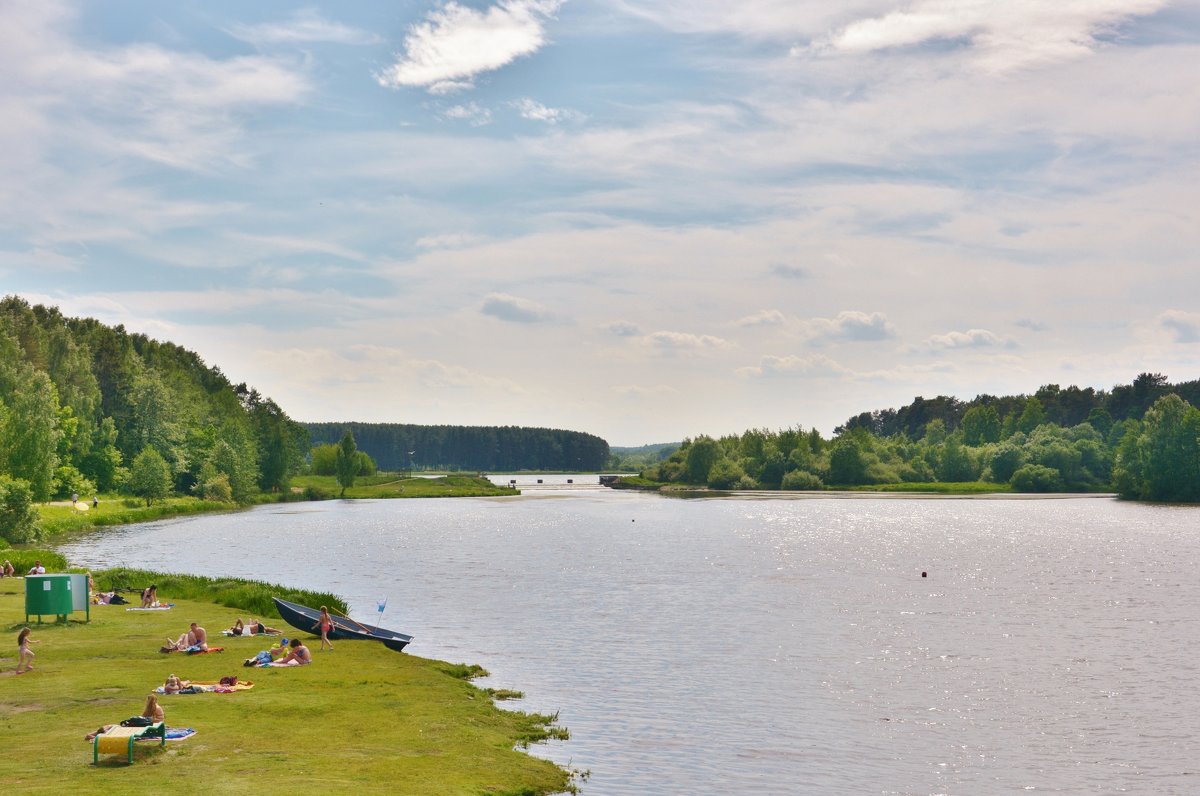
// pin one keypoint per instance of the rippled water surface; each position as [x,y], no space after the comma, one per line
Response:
[775,646]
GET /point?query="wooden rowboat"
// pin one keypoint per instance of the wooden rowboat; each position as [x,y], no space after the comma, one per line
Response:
[306,619]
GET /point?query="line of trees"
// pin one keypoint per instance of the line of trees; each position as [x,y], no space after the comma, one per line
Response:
[1149,449]
[397,446]
[87,408]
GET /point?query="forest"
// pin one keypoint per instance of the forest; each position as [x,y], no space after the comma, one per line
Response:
[399,446]
[87,408]
[1141,440]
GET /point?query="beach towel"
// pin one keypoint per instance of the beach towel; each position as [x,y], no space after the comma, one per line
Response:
[211,687]
[228,632]
[166,607]
[197,651]
[175,734]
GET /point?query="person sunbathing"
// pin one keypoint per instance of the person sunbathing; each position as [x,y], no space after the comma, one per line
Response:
[252,628]
[173,685]
[150,597]
[299,655]
[195,637]
[152,711]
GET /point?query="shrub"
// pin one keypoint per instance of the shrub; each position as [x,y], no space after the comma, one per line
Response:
[801,480]
[1037,478]
[18,517]
[725,475]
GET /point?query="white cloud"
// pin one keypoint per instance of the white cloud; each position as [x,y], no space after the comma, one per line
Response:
[1005,35]
[818,366]
[472,113]
[763,318]
[683,341]
[972,338]
[537,112]
[1184,326]
[851,326]
[304,27]
[457,43]
[516,310]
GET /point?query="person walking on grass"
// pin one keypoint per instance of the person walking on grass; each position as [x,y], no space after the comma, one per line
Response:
[24,654]
[325,625]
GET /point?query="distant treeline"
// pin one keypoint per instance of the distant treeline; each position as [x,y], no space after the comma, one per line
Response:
[402,446]
[1141,440]
[87,408]
[1062,406]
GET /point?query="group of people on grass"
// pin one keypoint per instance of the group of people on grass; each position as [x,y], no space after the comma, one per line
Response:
[195,639]
[7,570]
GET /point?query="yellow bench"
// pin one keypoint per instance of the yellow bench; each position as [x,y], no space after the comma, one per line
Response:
[119,740]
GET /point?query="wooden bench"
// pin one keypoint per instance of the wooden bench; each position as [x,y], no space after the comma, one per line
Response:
[119,740]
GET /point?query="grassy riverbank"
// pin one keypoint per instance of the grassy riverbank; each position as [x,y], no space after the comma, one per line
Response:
[361,718]
[61,520]
[389,485]
[932,487]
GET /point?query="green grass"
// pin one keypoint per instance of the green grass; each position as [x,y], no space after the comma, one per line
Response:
[360,719]
[61,521]
[251,596]
[391,486]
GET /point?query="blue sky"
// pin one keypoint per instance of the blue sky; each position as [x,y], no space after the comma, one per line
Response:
[647,220]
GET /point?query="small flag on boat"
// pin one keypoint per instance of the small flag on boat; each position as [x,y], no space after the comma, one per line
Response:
[382,606]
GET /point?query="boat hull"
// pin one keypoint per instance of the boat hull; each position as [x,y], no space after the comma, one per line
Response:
[306,619]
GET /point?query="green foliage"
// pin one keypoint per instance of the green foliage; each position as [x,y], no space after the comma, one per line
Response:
[18,517]
[980,425]
[366,465]
[150,477]
[847,465]
[1037,478]
[701,455]
[470,448]
[801,480]
[1002,461]
[216,487]
[1160,459]
[29,434]
[726,474]
[324,459]
[69,481]
[346,466]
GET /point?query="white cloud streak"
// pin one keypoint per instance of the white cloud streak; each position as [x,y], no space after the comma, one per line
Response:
[457,43]
[516,310]
[1005,35]
[851,326]
[972,338]
[306,26]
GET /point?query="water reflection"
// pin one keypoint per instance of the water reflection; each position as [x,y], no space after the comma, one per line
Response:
[774,646]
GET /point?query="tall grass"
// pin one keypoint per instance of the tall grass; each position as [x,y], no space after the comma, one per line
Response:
[251,596]
[23,560]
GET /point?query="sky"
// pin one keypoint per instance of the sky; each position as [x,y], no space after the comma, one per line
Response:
[644,219]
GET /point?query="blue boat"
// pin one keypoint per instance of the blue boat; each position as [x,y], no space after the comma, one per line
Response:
[306,619]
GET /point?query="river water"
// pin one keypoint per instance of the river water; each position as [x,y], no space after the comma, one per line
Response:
[771,645]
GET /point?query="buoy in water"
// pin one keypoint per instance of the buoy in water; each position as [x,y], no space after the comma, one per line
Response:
[923,574]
